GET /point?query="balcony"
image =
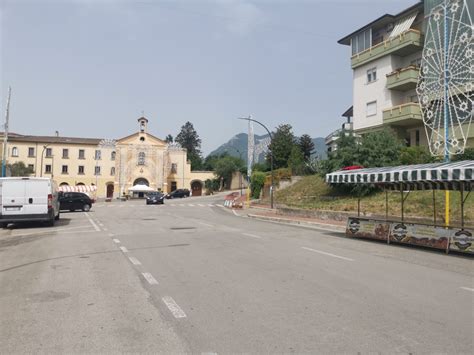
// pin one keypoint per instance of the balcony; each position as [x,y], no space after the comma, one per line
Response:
[404,79]
[403,115]
[406,43]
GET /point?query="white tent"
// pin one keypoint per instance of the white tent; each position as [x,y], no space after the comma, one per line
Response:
[140,188]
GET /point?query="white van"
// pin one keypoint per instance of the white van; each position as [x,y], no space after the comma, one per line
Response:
[27,199]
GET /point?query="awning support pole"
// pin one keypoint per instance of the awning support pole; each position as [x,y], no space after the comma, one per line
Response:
[386,204]
[434,207]
[463,201]
[358,205]
[404,197]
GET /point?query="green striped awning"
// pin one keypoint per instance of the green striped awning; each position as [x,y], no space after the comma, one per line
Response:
[439,176]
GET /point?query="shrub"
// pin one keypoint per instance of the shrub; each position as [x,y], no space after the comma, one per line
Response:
[256,183]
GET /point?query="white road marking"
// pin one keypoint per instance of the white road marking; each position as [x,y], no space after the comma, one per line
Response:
[328,254]
[111,234]
[205,224]
[96,227]
[220,206]
[468,289]
[173,307]
[235,213]
[100,224]
[210,205]
[125,250]
[252,235]
[105,229]
[134,260]
[201,205]
[149,277]
[116,240]
[190,205]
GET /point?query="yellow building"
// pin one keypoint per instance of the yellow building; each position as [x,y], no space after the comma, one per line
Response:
[112,166]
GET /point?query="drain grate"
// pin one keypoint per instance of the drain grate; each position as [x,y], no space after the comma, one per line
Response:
[181,228]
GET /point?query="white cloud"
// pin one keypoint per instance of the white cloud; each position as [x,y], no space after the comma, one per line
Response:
[242,16]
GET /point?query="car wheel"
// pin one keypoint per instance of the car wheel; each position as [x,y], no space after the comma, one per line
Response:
[86,208]
[50,223]
[57,217]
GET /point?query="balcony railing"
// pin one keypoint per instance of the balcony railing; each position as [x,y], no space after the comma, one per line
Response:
[403,79]
[406,43]
[403,115]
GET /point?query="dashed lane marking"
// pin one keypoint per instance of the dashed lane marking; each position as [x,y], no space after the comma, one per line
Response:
[190,205]
[134,260]
[116,240]
[111,234]
[125,250]
[210,205]
[252,235]
[201,205]
[96,227]
[467,289]
[206,224]
[173,307]
[149,277]
[234,212]
[328,254]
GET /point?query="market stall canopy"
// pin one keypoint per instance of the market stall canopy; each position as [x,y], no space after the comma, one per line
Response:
[78,188]
[140,188]
[436,176]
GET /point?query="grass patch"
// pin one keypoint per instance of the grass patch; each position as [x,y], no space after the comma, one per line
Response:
[313,193]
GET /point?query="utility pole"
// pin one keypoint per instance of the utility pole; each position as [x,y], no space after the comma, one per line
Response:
[250,119]
[5,134]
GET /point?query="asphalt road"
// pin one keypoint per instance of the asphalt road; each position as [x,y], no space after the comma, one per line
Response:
[191,276]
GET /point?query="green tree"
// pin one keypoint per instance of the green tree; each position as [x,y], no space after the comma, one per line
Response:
[210,161]
[225,167]
[307,146]
[467,155]
[379,149]
[345,155]
[281,145]
[169,138]
[296,160]
[19,169]
[265,166]
[415,155]
[189,139]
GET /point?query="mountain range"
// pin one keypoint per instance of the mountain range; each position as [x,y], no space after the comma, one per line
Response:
[237,147]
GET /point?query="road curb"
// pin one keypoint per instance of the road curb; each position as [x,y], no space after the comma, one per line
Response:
[324,226]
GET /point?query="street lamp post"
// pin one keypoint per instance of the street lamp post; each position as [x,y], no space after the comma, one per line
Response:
[271,153]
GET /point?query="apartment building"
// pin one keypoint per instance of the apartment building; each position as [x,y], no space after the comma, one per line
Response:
[347,128]
[111,167]
[386,57]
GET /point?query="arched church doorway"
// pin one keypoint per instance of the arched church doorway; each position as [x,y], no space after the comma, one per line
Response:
[141,181]
[196,188]
[110,190]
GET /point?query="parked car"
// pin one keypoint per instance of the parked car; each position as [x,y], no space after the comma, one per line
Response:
[75,201]
[28,199]
[178,193]
[155,198]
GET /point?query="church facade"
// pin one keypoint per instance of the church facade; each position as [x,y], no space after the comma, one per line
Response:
[111,167]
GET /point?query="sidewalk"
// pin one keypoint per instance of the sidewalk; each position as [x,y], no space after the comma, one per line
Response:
[264,212]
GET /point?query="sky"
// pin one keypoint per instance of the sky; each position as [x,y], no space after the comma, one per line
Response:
[91,68]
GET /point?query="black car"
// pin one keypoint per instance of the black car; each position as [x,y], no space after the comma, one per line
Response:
[178,193]
[155,198]
[74,201]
